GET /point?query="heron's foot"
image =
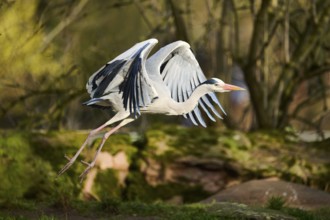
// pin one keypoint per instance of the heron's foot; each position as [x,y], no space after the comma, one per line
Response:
[67,166]
[89,167]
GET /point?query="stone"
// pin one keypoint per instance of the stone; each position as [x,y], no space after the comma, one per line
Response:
[211,174]
[258,192]
[105,160]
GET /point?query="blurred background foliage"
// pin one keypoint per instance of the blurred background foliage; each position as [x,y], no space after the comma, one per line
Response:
[279,50]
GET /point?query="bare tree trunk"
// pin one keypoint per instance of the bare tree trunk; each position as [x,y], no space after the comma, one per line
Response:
[291,73]
[223,53]
[180,26]
[251,68]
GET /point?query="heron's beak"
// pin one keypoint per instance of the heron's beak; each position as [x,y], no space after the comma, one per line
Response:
[231,87]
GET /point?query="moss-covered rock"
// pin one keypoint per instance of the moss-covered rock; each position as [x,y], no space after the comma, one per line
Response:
[254,155]
[113,209]
[170,163]
[20,170]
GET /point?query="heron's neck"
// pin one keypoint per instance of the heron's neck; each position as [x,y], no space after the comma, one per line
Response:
[192,101]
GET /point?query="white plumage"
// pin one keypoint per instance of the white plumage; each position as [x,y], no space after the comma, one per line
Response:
[170,82]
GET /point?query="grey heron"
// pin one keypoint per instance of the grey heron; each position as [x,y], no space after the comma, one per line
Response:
[170,82]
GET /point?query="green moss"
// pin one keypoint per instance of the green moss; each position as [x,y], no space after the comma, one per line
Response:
[13,157]
[256,154]
[120,142]
[276,203]
[29,165]
[193,141]
[64,191]
[53,146]
[139,190]
[45,217]
[136,209]
[18,166]
[106,185]
[320,214]
[38,156]
[19,204]
[165,211]
[115,209]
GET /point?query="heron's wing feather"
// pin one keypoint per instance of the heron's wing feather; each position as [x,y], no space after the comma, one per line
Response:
[182,74]
[126,75]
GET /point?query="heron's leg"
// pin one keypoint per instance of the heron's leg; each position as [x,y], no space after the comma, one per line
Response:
[119,116]
[105,137]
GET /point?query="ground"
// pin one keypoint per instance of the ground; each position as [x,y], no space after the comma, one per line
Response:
[161,174]
[79,210]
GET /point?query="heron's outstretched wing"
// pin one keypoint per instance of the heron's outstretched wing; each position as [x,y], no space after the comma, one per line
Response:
[182,74]
[126,75]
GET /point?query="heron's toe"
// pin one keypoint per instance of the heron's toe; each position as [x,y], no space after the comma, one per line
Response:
[68,158]
[85,163]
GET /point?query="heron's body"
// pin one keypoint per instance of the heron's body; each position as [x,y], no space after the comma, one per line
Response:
[170,82]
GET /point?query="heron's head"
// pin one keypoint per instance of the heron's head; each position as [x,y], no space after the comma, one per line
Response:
[217,85]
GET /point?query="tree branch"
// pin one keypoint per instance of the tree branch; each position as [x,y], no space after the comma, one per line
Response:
[309,101]
[144,17]
[180,27]
[305,46]
[63,24]
[318,72]
[250,69]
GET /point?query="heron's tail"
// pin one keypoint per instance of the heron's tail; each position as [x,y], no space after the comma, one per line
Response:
[98,103]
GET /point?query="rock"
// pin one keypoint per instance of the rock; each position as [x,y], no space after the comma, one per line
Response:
[118,162]
[211,174]
[258,192]
[105,160]
[175,200]
[241,211]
